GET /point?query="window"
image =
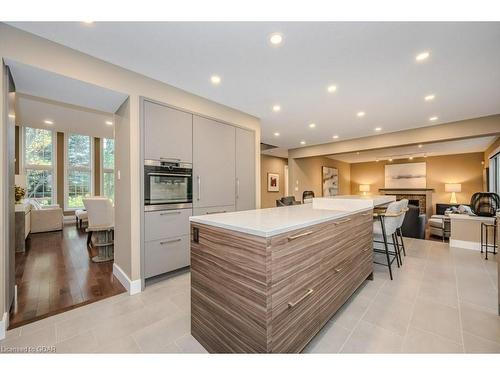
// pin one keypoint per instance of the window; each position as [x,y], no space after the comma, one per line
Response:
[78,170]
[495,174]
[39,164]
[108,168]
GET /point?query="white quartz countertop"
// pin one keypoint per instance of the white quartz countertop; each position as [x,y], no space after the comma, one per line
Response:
[269,222]
[377,200]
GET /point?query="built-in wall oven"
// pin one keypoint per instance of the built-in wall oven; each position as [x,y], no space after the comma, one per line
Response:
[167,185]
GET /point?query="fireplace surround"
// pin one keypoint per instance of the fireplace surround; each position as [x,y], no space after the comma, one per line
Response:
[422,196]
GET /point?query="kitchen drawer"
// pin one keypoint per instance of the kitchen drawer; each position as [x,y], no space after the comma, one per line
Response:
[197,211]
[166,255]
[294,310]
[300,248]
[167,223]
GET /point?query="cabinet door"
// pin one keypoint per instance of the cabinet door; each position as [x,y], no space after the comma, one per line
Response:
[245,170]
[213,163]
[168,133]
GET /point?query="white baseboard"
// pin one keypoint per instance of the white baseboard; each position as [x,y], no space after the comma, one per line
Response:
[465,244]
[132,286]
[3,325]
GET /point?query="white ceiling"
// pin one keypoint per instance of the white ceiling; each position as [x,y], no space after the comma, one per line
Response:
[41,83]
[33,111]
[373,65]
[430,149]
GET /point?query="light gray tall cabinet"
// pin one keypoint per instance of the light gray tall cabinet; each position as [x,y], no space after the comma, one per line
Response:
[245,170]
[214,166]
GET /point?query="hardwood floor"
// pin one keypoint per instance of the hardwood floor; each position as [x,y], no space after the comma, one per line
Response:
[55,274]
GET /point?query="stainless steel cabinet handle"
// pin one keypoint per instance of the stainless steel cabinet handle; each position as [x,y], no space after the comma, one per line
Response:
[176,159]
[199,188]
[291,238]
[342,221]
[215,212]
[168,174]
[170,241]
[308,293]
[237,188]
[170,213]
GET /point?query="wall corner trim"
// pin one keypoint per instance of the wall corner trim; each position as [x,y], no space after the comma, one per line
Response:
[3,325]
[470,245]
[132,286]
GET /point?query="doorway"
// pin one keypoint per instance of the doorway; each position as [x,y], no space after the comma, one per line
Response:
[64,157]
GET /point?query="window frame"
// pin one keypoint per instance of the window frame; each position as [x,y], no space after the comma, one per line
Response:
[24,166]
[67,169]
[107,170]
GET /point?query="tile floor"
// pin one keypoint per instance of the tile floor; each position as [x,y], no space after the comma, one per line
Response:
[442,300]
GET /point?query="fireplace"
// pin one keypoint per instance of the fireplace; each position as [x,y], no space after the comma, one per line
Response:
[422,198]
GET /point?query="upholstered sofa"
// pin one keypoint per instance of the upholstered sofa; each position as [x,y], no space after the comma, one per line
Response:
[45,218]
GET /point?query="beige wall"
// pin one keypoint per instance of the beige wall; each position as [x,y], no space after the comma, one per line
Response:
[465,169]
[306,174]
[123,256]
[43,54]
[271,164]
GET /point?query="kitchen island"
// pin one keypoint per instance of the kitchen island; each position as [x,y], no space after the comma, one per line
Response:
[266,281]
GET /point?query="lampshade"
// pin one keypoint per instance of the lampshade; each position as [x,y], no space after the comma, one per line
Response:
[364,187]
[20,180]
[453,188]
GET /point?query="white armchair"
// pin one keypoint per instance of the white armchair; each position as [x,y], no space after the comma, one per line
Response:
[45,218]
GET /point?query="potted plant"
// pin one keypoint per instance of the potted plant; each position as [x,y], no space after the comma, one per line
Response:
[19,194]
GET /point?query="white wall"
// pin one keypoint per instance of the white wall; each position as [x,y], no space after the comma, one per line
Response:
[41,53]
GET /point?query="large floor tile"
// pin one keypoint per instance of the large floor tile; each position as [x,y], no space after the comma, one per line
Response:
[389,312]
[351,312]
[480,322]
[418,341]
[437,318]
[188,344]
[368,338]
[475,344]
[157,337]
[329,340]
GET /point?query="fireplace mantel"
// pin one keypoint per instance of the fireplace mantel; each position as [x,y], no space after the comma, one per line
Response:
[405,189]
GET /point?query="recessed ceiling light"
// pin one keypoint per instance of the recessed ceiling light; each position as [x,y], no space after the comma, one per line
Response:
[423,56]
[302,142]
[376,160]
[335,136]
[88,22]
[312,125]
[215,79]
[390,159]
[411,158]
[276,134]
[433,118]
[420,146]
[109,122]
[49,122]
[430,97]
[276,39]
[378,129]
[276,108]
[332,88]
[360,114]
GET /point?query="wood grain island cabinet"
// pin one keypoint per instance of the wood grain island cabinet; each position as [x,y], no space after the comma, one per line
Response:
[266,281]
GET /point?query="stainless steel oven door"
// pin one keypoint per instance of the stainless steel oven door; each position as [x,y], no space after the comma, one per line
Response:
[167,190]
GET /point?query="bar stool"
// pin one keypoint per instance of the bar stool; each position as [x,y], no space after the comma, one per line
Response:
[484,237]
[386,226]
[399,232]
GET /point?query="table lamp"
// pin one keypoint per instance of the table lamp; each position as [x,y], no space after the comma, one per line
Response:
[364,188]
[453,188]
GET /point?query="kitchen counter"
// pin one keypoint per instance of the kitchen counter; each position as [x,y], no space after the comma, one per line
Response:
[272,221]
[375,200]
[266,281]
